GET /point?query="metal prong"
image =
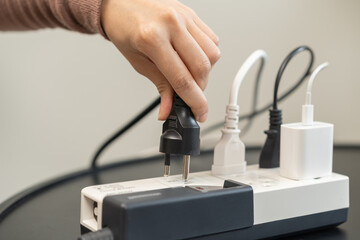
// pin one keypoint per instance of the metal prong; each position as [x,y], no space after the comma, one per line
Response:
[166,170]
[186,168]
[167,165]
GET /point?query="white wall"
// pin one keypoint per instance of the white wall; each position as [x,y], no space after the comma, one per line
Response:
[62,93]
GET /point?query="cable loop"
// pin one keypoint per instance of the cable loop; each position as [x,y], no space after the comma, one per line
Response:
[284,65]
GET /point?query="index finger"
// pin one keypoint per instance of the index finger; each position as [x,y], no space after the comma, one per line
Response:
[173,68]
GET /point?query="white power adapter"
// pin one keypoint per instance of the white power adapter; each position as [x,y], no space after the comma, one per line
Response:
[306,148]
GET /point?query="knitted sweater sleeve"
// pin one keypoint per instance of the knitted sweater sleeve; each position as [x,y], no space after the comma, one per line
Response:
[77,15]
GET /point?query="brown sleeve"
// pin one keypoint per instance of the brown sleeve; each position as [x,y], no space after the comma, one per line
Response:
[78,15]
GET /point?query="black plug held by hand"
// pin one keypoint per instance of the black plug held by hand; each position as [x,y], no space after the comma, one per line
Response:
[180,135]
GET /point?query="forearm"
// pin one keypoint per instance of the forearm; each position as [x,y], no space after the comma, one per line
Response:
[78,15]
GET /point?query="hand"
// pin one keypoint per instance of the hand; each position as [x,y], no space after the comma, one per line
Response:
[169,44]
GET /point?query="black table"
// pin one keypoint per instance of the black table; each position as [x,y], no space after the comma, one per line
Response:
[52,211]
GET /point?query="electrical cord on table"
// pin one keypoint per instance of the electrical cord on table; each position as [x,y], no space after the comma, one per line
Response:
[124,129]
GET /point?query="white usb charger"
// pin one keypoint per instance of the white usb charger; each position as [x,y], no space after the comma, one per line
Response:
[306,147]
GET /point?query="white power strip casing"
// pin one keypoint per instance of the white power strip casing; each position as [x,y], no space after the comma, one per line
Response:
[275,198]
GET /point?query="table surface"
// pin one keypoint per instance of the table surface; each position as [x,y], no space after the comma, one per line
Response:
[54,213]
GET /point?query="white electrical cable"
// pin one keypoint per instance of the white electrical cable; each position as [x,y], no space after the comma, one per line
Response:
[311,81]
[229,152]
[308,108]
[250,61]
[232,109]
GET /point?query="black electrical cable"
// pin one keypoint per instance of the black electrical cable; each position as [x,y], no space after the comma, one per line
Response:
[18,200]
[270,153]
[121,131]
[284,65]
[266,107]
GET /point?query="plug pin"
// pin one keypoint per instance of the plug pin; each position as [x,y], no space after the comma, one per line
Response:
[186,168]
[167,165]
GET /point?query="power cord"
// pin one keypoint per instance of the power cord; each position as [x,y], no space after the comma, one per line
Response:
[15,202]
[308,108]
[270,153]
[229,152]
[122,130]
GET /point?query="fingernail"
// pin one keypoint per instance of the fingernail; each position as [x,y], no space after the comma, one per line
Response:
[217,40]
[202,118]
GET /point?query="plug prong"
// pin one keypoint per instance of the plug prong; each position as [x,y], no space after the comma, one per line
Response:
[186,168]
[166,170]
[167,165]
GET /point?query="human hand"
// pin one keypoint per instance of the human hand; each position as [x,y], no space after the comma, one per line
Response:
[168,43]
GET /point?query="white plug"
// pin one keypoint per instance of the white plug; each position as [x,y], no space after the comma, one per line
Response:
[306,148]
[229,152]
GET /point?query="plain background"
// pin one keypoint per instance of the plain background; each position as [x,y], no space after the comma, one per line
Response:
[62,93]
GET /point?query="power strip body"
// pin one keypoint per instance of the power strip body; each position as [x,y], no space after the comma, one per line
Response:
[279,205]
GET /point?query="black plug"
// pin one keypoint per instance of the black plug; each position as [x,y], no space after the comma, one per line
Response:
[180,135]
[270,153]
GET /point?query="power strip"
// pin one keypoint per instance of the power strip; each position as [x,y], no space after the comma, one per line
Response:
[266,205]
[232,201]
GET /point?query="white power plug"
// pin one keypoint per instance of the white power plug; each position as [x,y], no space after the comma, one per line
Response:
[229,152]
[306,148]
